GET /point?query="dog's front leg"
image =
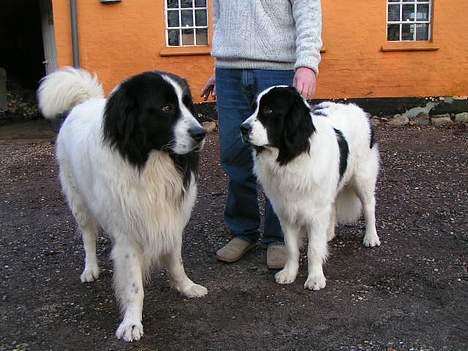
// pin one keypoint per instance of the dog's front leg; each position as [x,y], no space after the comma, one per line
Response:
[318,249]
[128,282]
[179,278]
[291,237]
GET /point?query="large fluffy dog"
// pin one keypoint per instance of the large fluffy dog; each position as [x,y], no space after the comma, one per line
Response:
[316,167]
[128,165]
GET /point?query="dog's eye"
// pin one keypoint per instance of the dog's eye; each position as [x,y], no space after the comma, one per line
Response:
[167,108]
[267,111]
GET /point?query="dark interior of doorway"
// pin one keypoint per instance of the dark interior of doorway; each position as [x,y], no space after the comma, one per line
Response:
[21,48]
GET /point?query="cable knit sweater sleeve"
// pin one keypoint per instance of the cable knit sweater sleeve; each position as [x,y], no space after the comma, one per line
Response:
[308,17]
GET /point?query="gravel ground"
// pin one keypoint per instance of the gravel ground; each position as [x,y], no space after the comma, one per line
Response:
[409,294]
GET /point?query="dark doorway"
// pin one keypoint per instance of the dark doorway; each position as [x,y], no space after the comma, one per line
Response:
[21,44]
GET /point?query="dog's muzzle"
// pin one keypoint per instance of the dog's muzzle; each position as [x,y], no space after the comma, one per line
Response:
[245,129]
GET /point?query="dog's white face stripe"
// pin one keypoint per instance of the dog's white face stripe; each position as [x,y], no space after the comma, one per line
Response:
[183,142]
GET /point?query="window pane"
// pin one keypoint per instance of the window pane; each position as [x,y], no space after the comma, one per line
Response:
[187,18]
[409,0]
[187,37]
[393,0]
[200,18]
[202,36]
[200,3]
[173,37]
[408,13]
[186,3]
[393,12]
[422,32]
[172,18]
[423,12]
[407,32]
[393,32]
[172,4]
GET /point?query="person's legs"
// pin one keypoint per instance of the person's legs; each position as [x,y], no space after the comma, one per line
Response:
[234,89]
[264,79]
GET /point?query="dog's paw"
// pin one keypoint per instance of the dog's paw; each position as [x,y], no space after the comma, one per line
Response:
[315,282]
[371,241]
[89,274]
[194,290]
[129,331]
[285,276]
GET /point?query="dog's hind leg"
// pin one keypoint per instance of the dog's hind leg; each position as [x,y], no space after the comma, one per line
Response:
[89,231]
[318,249]
[365,189]
[291,237]
[179,279]
[367,197]
[128,283]
[86,223]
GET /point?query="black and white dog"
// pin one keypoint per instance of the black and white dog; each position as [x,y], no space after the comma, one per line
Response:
[128,165]
[316,167]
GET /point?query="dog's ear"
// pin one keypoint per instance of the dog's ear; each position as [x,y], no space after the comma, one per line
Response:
[120,116]
[121,126]
[297,128]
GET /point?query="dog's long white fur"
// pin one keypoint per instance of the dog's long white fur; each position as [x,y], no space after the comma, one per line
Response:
[143,211]
[307,193]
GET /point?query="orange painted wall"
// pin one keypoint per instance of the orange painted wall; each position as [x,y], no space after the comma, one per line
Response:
[354,65]
[119,40]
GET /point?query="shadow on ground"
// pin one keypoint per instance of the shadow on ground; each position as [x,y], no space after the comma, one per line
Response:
[409,294]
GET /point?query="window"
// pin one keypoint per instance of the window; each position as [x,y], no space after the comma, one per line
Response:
[409,20]
[186,23]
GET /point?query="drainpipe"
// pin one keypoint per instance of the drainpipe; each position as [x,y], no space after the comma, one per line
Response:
[74,29]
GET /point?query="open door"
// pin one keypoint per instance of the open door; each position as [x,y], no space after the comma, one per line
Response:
[48,36]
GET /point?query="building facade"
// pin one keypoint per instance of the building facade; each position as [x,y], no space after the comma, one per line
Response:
[373,48]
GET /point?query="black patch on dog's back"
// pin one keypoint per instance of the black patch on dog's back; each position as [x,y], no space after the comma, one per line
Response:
[344,151]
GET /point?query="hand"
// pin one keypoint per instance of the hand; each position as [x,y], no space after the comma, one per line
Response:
[305,81]
[209,89]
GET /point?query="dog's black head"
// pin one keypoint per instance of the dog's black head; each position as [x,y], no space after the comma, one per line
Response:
[151,111]
[281,120]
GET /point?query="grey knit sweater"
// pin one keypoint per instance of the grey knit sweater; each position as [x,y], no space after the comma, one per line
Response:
[267,34]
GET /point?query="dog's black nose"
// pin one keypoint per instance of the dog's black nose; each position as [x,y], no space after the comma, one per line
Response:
[197,133]
[245,130]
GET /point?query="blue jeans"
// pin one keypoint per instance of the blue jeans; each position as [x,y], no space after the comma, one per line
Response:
[236,91]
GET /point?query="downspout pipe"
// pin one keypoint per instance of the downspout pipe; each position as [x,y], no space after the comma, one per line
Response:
[74,30]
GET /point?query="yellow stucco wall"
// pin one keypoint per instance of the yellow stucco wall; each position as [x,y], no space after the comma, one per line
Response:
[122,39]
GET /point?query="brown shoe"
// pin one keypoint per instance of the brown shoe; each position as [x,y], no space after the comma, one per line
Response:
[234,250]
[276,256]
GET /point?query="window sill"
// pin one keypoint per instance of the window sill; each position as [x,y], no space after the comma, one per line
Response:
[409,46]
[186,51]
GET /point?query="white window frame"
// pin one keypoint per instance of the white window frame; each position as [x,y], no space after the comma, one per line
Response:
[179,9]
[415,21]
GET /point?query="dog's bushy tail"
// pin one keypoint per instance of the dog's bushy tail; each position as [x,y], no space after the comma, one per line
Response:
[62,90]
[348,206]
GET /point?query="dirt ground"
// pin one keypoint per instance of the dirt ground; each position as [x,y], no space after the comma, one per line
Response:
[409,294]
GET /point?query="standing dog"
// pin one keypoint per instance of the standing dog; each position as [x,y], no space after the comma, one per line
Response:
[316,167]
[128,165]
